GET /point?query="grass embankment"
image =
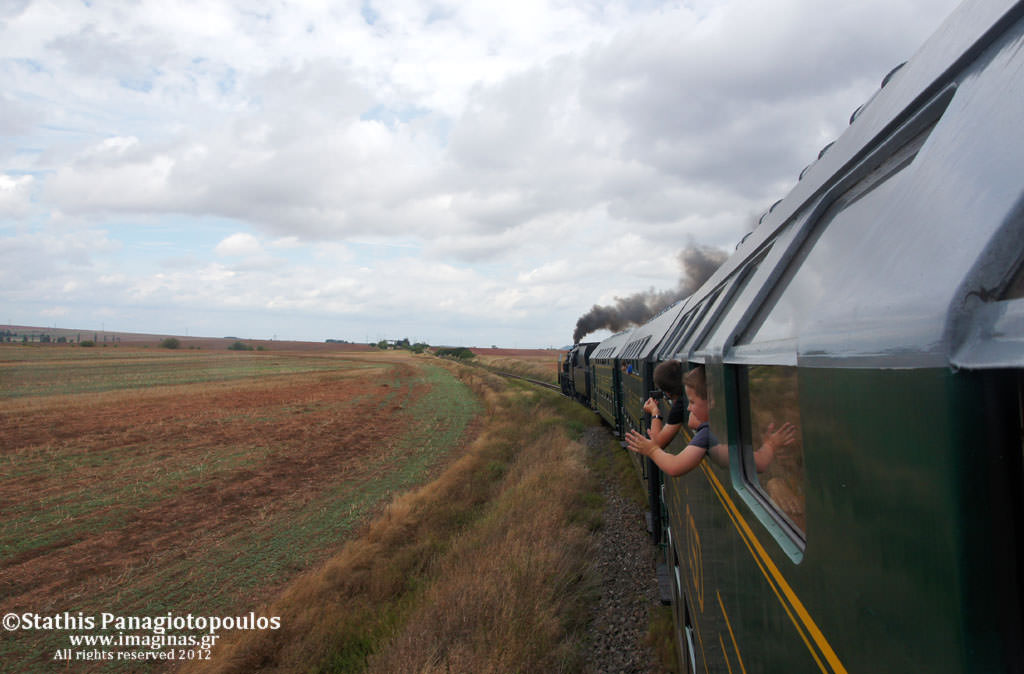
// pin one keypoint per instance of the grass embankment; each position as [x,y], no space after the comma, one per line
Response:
[542,368]
[486,569]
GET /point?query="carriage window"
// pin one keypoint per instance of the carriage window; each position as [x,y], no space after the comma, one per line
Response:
[718,450]
[773,456]
[823,272]
[739,303]
[1015,290]
[709,311]
[675,339]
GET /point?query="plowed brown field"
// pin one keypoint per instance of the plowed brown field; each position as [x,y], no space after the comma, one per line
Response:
[201,498]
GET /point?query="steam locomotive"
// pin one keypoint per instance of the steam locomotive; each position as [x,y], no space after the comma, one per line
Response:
[879,307]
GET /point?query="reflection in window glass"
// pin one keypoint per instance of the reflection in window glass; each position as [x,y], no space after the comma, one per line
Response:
[738,304]
[671,345]
[827,269]
[1015,290]
[709,311]
[718,451]
[774,453]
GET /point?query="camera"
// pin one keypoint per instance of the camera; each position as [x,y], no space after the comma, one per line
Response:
[657,395]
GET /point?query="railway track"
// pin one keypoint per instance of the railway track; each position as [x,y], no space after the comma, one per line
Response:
[553,387]
[547,385]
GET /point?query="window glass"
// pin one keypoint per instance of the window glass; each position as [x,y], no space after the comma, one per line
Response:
[773,456]
[830,265]
[738,304]
[1015,290]
[709,310]
[675,339]
[718,448]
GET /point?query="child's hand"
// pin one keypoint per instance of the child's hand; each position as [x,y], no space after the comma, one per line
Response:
[640,444]
[784,437]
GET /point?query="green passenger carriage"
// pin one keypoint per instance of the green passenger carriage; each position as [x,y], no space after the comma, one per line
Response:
[637,366]
[879,308]
[607,376]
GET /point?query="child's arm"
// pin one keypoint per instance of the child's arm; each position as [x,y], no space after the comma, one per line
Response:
[660,432]
[773,442]
[671,464]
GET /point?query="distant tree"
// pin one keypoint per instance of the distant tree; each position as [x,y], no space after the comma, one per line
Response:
[87,342]
[170,343]
[460,352]
[240,346]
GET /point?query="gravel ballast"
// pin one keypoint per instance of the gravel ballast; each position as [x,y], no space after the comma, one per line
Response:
[626,564]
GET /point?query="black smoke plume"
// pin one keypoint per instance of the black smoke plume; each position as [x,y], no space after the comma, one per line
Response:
[698,264]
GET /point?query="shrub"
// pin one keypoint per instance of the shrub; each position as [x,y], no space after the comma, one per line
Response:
[460,352]
[170,343]
[240,346]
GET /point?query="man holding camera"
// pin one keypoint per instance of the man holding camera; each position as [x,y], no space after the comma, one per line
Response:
[668,377]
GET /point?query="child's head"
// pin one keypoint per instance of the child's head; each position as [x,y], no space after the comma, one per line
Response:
[668,377]
[696,380]
[696,386]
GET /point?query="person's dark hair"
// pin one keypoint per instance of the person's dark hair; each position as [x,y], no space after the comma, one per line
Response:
[668,377]
[696,380]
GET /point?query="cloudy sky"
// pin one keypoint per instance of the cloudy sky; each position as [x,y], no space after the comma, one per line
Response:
[475,173]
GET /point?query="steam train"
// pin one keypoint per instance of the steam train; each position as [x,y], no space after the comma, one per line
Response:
[879,307]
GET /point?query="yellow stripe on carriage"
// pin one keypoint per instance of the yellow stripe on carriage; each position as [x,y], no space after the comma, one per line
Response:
[789,612]
[728,624]
[777,581]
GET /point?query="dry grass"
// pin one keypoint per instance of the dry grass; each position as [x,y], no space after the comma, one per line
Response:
[541,365]
[484,570]
[508,594]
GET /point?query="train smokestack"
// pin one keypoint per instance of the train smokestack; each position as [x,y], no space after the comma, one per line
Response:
[698,264]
